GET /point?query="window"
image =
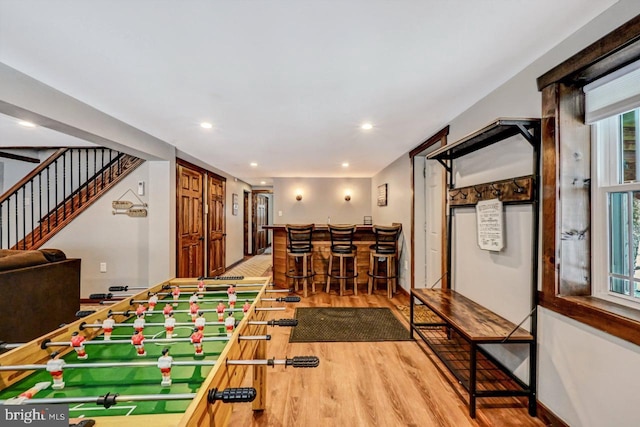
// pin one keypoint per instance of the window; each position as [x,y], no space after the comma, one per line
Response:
[616,209]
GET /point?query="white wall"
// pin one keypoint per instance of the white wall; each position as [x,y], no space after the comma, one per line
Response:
[586,377]
[14,170]
[322,198]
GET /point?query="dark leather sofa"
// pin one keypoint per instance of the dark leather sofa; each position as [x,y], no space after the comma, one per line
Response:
[39,290]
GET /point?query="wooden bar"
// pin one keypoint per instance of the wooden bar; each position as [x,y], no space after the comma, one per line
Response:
[321,241]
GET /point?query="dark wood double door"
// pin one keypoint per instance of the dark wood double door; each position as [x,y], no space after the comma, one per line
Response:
[200,225]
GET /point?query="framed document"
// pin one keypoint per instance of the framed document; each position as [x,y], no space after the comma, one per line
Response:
[382,195]
[234,204]
[490,225]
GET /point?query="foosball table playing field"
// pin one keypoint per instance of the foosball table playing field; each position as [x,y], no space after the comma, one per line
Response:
[174,354]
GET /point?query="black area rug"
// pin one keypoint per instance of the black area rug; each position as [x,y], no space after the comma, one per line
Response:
[333,324]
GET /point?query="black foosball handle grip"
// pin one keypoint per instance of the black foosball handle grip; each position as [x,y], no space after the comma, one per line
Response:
[118,288]
[304,362]
[294,298]
[232,395]
[84,313]
[283,322]
[100,296]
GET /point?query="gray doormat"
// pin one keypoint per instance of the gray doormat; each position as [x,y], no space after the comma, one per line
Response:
[333,324]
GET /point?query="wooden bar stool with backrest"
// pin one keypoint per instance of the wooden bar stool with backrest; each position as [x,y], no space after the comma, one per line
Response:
[385,251]
[300,250]
[342,247]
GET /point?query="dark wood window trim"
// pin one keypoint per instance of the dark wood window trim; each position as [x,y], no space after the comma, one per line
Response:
[566,142]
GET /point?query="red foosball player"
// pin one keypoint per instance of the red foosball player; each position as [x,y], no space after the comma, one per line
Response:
[193,310]
[77,342]
[176,295]
[201,288]
[138,324]
[230,323]
[107,326]
[245,308]
[138,342]
[231,292]
[200,321]
[167,310]
[169,324]
[26,395]
[193,298]
[140,310]
[164,363]
[196,340]
[220,310]
[54,367]
[153,301]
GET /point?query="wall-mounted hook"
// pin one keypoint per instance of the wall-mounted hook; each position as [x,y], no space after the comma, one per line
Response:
[496,191]
[478,193]
[519,189]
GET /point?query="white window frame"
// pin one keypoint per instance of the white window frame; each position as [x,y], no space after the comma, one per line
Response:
[606,161]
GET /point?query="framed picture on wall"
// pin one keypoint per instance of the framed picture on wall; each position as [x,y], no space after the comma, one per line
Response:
[382,195]
[234,204]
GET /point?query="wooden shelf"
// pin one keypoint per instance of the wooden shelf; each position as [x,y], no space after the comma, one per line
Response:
[496,131]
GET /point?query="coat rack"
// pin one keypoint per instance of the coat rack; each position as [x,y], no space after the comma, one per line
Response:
[511,190]
[126,207]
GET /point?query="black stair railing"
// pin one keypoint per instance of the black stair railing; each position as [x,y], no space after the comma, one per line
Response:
[54,190]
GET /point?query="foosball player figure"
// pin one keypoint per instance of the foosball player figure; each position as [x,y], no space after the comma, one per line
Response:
[169,324]
[138,342]
[201,289]
[231,292]
[138,324]
[230,323]
[176,295]
[245,308]
[196,340]
[140,310]
[220,310]
[153,301]
[200,321]
[193,310]
[77,342]
[107,326]
[54,367]
[164,363]
[167,310]
[193,298]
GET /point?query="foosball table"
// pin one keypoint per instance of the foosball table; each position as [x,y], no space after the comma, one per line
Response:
[127,365]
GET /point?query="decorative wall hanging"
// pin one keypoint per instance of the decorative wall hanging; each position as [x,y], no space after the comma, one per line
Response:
[382,195]
[129,208]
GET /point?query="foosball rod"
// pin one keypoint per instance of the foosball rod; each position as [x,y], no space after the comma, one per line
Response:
[296,362]
[107,365]
[204,310]
[46,343]
[229,395]
[84,326]
[292,298]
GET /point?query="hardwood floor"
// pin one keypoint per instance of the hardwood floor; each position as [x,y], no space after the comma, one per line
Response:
[382,384]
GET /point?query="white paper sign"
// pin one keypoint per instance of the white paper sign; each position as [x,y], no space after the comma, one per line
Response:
[490,225]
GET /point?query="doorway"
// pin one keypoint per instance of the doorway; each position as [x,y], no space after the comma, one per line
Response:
[260,218]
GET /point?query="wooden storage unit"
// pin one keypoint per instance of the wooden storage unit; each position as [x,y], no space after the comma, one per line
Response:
[462,324]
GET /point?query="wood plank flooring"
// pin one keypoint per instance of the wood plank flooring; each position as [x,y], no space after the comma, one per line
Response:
[382,384]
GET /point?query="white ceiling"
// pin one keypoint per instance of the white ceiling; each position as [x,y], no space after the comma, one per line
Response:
[287,83]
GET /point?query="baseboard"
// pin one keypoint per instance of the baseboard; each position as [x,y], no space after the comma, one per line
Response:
[548,417]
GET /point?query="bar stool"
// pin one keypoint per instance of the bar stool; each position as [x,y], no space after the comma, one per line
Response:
[300,250]
[342,247]
[385,250]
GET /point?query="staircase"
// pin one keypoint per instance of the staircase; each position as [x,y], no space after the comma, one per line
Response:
[57,191]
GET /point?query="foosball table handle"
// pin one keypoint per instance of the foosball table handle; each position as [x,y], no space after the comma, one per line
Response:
[283,322]
[232,395]
[293,298]
[304,362]
[84,313]
[118,288]
[100,296]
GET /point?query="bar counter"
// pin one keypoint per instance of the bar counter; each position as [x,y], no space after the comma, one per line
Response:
[321,241]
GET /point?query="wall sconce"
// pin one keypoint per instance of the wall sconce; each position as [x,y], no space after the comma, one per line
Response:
[298,195]
[347,195]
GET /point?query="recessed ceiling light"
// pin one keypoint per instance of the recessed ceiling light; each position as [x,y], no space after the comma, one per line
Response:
[367,126]
[253,164]
[345,165]
[206,125]
[26,124]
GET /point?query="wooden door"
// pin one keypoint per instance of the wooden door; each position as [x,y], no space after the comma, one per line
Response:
[190,214]
[260,209]
[245,221]
[217,225]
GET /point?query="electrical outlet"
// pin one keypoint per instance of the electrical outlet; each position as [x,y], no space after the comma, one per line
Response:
[279,213]
[103,267]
